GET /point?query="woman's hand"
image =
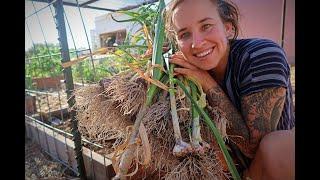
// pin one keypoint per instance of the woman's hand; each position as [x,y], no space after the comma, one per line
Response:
[192,72]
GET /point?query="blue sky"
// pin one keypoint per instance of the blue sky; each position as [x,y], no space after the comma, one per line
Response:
[74,19]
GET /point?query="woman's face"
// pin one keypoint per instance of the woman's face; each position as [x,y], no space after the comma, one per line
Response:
[200,33]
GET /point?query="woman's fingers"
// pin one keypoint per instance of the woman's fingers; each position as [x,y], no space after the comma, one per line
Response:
[183,71]
[200,76]
[179,60]
[193,74]
[178,53]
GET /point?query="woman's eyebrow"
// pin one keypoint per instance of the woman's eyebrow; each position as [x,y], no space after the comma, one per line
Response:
[183,29]
[205,19]
[200,21]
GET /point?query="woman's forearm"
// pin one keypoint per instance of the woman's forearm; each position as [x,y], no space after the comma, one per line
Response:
[260,114]
[237,131]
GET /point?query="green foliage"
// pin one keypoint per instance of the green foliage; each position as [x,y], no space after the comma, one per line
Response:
[28,83]
[134,44]
[39,63]
[145,16]
[157,57]
[42,61]
[104,67]
[83,71]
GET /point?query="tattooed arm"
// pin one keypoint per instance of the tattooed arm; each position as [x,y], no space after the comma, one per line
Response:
[260,114]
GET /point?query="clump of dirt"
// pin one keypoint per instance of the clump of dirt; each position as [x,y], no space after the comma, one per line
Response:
[40,166]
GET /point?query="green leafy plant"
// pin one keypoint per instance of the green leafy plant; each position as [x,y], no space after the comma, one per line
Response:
[43,62]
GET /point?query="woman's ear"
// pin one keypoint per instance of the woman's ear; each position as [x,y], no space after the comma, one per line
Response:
[229,29]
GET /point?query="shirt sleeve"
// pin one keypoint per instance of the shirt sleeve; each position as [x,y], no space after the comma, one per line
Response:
[266,67]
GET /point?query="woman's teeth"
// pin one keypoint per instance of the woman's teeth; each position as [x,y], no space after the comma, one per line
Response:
[204,53]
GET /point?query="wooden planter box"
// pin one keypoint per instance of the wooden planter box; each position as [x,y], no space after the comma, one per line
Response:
[30,104]
[61,148]
[47,82]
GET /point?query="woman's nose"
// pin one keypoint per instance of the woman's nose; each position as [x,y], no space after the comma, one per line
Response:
[197,41]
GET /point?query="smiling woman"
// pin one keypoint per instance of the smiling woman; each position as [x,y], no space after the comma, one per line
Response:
[247,80]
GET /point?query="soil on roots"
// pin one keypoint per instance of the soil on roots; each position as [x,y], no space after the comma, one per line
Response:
[106,110]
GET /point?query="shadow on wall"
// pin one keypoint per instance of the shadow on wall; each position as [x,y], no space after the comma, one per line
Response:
[263,19]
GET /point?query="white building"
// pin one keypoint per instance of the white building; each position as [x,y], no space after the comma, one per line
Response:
[107,31]
[94,39]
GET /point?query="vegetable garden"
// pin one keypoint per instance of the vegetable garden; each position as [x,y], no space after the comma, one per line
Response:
[125,110]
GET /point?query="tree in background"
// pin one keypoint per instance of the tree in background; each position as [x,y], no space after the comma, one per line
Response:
[42,61]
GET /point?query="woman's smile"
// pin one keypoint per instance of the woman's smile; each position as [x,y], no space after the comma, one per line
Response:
[201,36]
[203,54]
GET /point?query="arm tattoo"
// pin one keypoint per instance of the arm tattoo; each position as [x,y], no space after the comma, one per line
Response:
[263,111]
[260,114]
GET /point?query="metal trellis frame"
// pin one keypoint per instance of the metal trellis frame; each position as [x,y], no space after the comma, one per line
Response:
[60,24]
[75,47]
[88,2]
[60,17]
[84,27]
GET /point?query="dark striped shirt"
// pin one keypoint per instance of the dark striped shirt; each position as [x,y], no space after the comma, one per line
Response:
[254,65]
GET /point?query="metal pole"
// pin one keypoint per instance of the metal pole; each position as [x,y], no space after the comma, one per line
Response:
[80,65]
[71,36]
[283,20]
[85,31]
[60,104]
[60,24]
[39,10]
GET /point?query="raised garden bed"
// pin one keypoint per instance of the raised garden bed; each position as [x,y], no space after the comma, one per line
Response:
[39,165]
[60,147]
[47,82]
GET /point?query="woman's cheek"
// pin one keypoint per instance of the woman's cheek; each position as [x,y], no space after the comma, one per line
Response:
[183,46]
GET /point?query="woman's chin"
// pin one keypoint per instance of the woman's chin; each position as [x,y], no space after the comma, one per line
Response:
[208,65]
[210,68]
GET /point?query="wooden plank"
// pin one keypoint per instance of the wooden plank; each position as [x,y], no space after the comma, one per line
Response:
[103,50]
[88,167]
[30,104]
[58,147]
[63,148]
[42,136]
[38,136]
[51,142]
[101,171]
[27,129]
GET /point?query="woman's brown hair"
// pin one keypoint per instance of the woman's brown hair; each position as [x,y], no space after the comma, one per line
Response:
[228,12]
